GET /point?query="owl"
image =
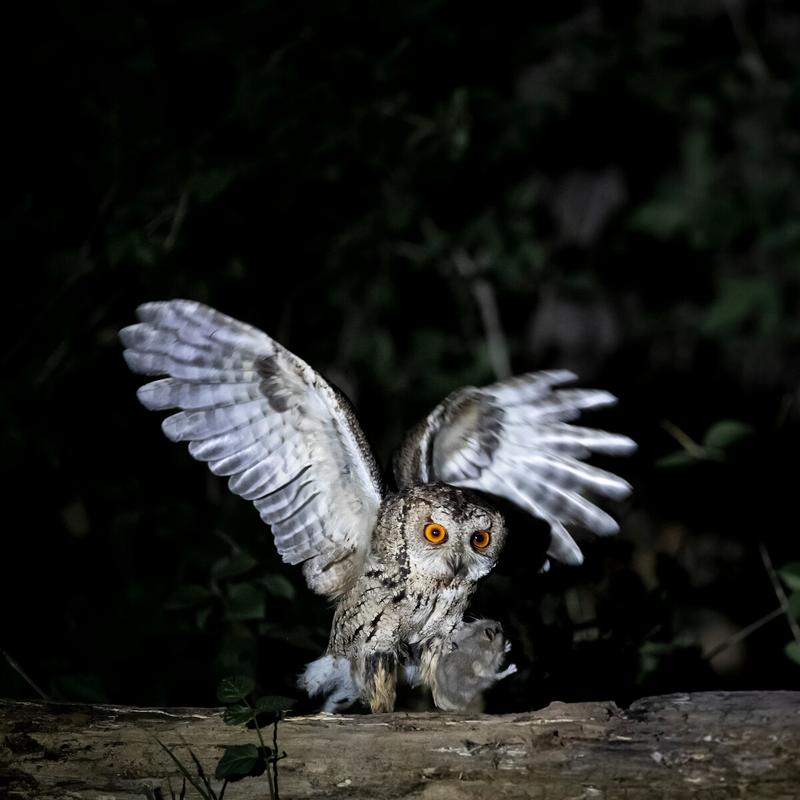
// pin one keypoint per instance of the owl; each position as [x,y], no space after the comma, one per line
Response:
[400,564]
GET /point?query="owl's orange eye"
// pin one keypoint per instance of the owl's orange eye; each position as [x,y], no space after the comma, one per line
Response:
[435,533]
[480,539]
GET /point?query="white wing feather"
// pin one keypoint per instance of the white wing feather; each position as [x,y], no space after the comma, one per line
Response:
[258,414]
[512,439]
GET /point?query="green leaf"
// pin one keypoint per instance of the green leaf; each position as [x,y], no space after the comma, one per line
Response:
[657,648]
[791,575]
[680,458]
[793,651]
[238,715]
[233,565]
[725,433]
[209,183]
[246,601]
[651,656]
[794,604]
[189,595]
[201,616]
[238,761]
[234,689]
[663,215]
[742,301]
[273,704]
[278,586]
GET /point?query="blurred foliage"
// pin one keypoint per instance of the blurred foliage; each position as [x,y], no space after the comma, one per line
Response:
[615,181]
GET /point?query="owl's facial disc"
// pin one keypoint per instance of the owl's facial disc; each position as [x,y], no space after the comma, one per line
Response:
[450,534]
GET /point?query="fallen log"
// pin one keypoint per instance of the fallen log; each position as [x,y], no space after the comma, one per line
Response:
[709,745]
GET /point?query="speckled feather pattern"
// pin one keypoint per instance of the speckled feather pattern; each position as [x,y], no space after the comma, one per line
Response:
[409,593]
[290,443]
[413,594]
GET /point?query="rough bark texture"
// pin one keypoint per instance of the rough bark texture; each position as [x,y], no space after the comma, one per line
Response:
[714,745]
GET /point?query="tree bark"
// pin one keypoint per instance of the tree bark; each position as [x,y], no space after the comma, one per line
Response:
[711,745]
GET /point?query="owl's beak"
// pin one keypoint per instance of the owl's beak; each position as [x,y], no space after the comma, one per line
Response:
[457,565]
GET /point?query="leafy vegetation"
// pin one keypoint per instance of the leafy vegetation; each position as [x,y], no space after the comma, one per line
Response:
[412,198]
[239,760]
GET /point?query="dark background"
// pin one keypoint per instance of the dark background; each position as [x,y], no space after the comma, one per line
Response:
[368,183]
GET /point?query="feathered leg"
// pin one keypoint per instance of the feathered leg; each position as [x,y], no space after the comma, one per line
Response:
[380,682]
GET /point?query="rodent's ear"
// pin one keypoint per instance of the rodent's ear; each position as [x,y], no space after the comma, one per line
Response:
[491,631]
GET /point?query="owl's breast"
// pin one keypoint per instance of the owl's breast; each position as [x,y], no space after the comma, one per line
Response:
[383,612]
[434,609]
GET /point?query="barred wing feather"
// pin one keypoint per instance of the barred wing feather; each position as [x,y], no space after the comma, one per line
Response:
[513,439]
[262,417]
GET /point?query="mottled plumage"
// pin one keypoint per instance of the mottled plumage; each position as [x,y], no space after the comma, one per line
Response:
[400,566]
[412,593]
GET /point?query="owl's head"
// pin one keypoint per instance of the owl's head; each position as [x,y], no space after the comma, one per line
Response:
[445,532]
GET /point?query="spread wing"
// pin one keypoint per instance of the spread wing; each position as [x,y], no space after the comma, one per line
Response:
[513,439]
[258,414]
